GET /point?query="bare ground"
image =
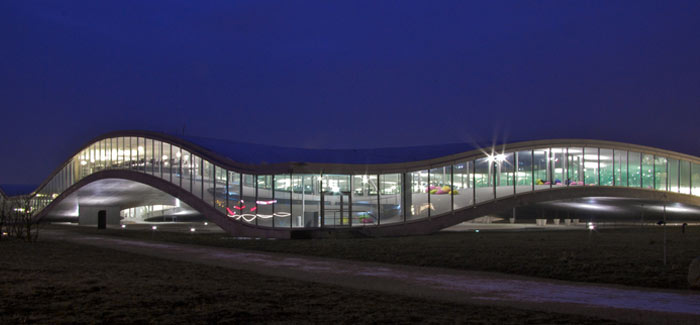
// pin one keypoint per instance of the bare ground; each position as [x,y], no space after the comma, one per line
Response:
[62,282]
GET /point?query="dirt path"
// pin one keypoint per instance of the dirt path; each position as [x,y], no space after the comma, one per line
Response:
[631,304]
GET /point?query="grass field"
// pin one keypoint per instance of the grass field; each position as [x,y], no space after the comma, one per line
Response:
[56,282]
[618,256]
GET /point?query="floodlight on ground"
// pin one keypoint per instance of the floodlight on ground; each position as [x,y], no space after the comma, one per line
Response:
[154,227]
[206,223]
[476,230]
[192,229]
[591,226]
[123,226]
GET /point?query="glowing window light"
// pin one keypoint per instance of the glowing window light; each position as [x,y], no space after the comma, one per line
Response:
[123,226]
[496,158]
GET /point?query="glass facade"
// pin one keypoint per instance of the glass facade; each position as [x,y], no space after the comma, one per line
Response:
[524,172]
[634,165]
[440,190]
[364,210]
[620,162]
[541,169]
[281,207]
[463,187]
[483,176]
[607,168]
[390,207]
[590,166]
[290,200]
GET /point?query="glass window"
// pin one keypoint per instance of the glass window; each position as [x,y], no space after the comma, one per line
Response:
[197,177]
[365,193]
[695,179]
[685,177]
[282,207]
[186,169]
[647,171]
[390,186]
[673,175]
[176,162]
[219,191]
[607,174]
[157,158]
[83,160]
[208,180]
[248,208]
[127,152]
[620,161]
[483,174]
[114,150]
[107,153]
[264,200]
[104,152]
[117,152]
[504,174]
[417,200]
[306,198]
[542,171]
[137,154]
[167,163]
[574,166]
[133,154]
[661,173]
[559,166]
[97,165]
[590,166]
[440,188]
[92,152]
[634,164]
[233,196]
[524,176]
[463,189]
[148,160]
[123,152]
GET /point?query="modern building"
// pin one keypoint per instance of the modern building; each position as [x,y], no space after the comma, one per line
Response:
[266,191]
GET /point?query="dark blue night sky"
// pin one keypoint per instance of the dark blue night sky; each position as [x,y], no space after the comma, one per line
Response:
[332,75]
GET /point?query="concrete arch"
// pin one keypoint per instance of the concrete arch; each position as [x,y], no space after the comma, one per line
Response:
[436,223]
[234,227]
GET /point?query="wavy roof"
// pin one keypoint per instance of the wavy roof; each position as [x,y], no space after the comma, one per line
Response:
[249,153]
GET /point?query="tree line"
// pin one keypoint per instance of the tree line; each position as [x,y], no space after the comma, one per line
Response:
[16,219]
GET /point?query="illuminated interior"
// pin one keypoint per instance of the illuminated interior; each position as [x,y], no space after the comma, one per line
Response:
[312,200]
